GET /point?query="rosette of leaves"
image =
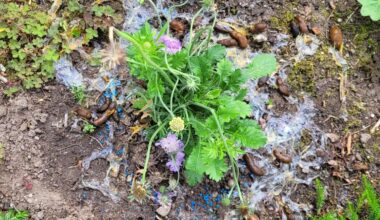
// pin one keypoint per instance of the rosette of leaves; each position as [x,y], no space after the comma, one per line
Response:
[370,8]
[204,89]
[23,29]
[31,41]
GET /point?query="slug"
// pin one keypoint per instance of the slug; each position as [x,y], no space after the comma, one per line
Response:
[240,38]
[105,105]
[102,119]
[229,42]
[252,166]
[83,112]
[282,157]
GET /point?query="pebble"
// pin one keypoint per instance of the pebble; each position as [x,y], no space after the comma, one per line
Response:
[40,215]
[21,103]
[3,111]
[163,210]
[340,20]
[364,138]
[260,38]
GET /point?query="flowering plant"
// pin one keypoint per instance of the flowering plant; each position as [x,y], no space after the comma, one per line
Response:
[193,91]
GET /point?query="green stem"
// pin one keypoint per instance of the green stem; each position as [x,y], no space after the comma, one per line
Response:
[225,145]
[146,57]
[157,12]
[191,29]
[148,152]
[172,95]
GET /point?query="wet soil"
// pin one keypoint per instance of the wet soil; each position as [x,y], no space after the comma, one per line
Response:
[41,169]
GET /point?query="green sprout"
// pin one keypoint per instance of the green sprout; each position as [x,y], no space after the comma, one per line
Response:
[88,128]
[79,94]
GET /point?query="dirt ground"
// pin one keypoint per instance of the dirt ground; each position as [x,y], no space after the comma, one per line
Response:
[40,171]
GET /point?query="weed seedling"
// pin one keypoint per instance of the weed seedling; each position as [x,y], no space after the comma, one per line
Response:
[79,94]
[88,128]
[320,197]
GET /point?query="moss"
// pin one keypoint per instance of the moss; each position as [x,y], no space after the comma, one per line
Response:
[302,77]
[356,109]
[306,139]
[352,124]
[282,21]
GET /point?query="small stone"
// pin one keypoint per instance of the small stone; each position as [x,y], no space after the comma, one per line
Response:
[260,38]
[40,215]
[340,20]
[231,183]
[364,138]
[21,103]
[3,111]
[333,137]
[163,210]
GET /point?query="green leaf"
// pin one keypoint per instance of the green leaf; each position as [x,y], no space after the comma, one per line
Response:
[193,178]
[230,109]
[90,34]
[194,166]
[200,128]
[262,65]
[224,68]
[216,53]
[215,168]
[193,161]
[213,94]
[370,8]
[249,134]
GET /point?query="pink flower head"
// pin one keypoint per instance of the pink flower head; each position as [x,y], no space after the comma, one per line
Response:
[172,45]
[175,163]
[171,144]
[174,148]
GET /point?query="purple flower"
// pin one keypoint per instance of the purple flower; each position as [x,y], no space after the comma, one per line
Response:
[175,163]
[171,144]
[172,45]
[174,148]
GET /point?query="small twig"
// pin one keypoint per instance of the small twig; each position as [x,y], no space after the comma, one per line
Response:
[97,141]
[349,17]
[375,127]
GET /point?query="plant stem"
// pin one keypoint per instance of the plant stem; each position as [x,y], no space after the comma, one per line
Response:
[172,95]
[146,57]
[148,151]
[157,12]
[191,29]
[225,145]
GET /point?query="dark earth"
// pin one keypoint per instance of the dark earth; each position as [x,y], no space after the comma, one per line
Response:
[40,171]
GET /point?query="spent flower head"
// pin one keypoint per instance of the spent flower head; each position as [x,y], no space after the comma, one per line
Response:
[139,191]
[172,45]
[177,124]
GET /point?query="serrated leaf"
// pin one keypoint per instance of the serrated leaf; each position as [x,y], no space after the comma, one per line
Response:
[370,8]
[201,129]
[193,178]
[230,109]
[262,65]
[224,68]
[215,168]
[216,53]
[193,161]
[249,134]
